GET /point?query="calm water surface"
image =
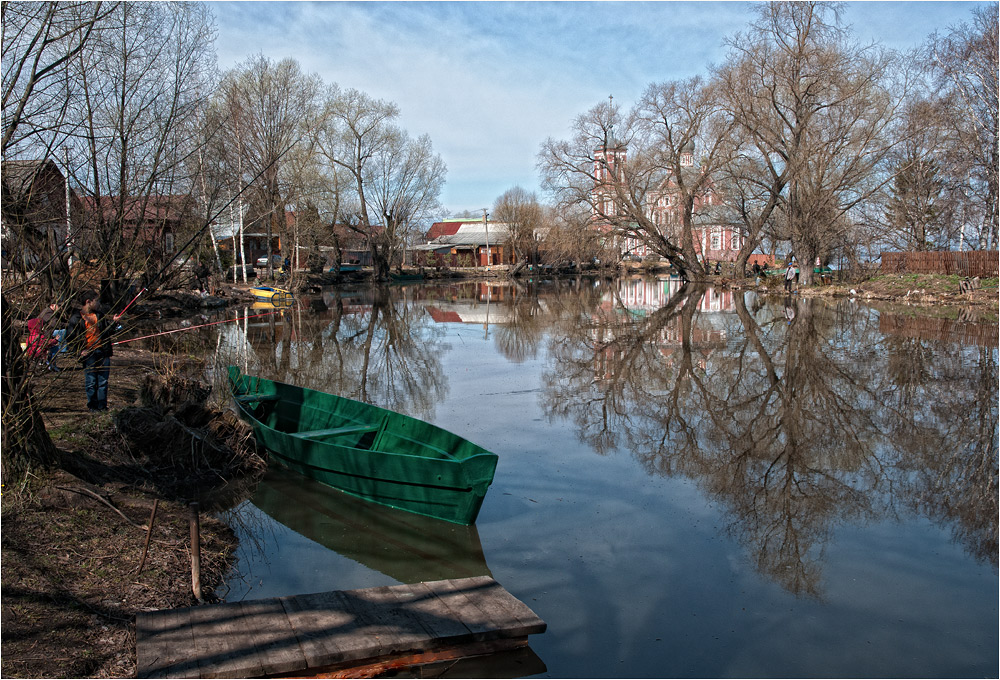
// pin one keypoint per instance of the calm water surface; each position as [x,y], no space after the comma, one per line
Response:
[691,482]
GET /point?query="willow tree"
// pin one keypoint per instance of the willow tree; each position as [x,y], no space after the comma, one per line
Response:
[817,111]
[267,109]
[644,176]
[395,179]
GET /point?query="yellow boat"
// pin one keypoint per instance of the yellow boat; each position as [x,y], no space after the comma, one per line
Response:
[276,296]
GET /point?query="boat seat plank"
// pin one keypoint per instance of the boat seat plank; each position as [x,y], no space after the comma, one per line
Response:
[348,429]
[417,444]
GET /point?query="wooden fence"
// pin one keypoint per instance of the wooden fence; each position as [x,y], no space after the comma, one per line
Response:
[948,330]
[981,263]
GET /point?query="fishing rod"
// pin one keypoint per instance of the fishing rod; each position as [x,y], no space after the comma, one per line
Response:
[191,328]
[133,300]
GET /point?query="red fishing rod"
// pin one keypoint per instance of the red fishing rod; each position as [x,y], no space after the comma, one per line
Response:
[191,328]
[133,300]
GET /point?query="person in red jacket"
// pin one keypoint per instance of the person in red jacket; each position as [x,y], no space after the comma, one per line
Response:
[40,342]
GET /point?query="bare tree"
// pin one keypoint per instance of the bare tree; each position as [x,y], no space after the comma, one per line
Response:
[917,209]
[112,82]
[817,110]
[406,180]
[269,107]
[645,178]
[395,180]
[355,129]
[40,40]
[687,138]
[964,63]
[520,211]
[569,236]
[142,96]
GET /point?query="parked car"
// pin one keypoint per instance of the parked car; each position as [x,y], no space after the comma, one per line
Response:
[249,269]
[276,261]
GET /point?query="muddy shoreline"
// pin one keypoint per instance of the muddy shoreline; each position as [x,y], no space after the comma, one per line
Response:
[75,539]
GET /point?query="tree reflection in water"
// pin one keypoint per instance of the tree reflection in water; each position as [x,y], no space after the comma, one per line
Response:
[798,418]
[371,345]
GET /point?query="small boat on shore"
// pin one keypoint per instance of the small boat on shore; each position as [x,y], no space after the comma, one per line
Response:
[366,451]
[276,296]
[406,277]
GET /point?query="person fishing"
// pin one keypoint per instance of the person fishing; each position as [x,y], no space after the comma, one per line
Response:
[90,330]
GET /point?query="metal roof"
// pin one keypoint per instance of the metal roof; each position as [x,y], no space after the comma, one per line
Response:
[475,234]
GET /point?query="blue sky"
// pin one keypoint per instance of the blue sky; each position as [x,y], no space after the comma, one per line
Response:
[490,81]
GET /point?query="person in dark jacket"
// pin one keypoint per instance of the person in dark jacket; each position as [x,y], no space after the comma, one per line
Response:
[90,331]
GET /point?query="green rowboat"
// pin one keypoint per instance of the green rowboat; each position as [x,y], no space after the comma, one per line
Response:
[366,451]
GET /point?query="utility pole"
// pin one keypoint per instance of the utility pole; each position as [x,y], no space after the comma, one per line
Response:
[69,213]
[486,224]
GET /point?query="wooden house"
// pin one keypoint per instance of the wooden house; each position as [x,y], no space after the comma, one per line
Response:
[39,212]
[464,242]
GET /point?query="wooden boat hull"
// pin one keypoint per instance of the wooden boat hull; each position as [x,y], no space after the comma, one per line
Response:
[367,451]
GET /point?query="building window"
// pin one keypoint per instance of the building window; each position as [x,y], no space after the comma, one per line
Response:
[716,241]
[734,242]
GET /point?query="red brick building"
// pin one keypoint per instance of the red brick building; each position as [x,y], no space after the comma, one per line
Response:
[714,239]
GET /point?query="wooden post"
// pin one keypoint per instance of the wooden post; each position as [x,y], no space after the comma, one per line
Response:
[149,533]
[195,551]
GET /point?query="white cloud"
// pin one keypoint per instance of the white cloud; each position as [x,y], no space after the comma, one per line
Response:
[490,81]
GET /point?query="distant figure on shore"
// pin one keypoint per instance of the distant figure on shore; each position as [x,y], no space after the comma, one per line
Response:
[789,277]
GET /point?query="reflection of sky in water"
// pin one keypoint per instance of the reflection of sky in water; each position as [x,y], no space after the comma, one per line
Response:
[641,575]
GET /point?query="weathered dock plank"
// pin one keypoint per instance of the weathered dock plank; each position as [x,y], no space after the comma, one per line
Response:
[167,642]
[312,632]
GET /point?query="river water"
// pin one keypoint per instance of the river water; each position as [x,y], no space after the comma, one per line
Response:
[691,482]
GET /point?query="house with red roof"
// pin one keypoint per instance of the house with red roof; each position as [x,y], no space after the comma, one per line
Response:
[464,242]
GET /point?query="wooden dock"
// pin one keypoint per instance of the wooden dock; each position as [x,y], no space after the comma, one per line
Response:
[346,633]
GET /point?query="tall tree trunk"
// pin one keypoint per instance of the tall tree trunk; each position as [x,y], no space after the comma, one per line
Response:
[26,442]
